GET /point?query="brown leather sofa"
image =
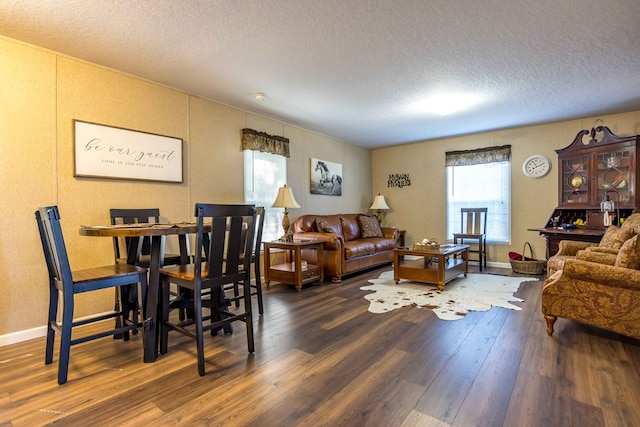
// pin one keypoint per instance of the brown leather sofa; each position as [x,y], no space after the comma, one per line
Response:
[345,249]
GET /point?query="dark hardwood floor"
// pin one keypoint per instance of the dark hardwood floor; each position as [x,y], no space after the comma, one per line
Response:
[322,359]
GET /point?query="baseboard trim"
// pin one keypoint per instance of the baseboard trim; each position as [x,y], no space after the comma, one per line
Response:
[20,336]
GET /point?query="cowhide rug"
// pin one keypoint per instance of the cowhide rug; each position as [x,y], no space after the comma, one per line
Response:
[476,292]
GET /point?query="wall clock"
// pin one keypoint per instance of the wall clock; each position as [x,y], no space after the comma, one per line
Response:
[536,166]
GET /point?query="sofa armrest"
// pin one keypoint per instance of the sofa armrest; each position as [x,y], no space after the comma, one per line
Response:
[332,241]
[571,247]
[598,257]
[607,275]
[390,232]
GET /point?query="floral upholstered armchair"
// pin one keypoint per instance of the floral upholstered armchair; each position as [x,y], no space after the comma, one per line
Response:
[597,288]
[611,243]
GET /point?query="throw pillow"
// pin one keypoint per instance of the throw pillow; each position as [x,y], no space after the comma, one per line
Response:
[369,226]
[629,254]
[323,226]
[615,237]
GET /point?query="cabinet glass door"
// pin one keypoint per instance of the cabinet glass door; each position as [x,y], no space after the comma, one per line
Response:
[575,180]
[613,175]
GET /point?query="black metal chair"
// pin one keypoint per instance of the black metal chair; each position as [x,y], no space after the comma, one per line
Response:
[63,281]
[473,226]
[223,257]
[255,260]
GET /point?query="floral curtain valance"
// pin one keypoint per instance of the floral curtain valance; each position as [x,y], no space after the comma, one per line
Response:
[260,141]
[479,156]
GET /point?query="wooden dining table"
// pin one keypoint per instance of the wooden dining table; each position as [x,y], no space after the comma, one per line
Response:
[157,232]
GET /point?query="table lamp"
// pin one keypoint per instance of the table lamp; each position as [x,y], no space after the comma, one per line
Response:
[379,204]
[285,200]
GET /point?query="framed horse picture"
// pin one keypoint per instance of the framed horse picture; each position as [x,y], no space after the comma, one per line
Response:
[326,178]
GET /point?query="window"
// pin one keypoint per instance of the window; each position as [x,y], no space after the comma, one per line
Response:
[264,173]
[480,178]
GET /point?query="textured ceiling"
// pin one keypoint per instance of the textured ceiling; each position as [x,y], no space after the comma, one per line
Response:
[358,70]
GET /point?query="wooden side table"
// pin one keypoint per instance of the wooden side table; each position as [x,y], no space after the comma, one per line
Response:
[291,271]
[401,234]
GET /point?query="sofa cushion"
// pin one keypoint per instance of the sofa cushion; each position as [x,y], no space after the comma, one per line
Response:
[358,248]
[629,254]
[615,237]
[350,226]
[384,244]
[323,226]
[369,226]
[633,222]
[329,224]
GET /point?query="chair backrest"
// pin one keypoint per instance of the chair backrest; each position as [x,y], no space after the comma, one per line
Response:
[227,248]
[135,246]
[473,220]
[259,226]
[55,251]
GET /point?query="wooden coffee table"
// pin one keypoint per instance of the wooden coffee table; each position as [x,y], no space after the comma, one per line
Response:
[438,266]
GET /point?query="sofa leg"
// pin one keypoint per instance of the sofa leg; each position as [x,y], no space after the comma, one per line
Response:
[336,280]
[550,321]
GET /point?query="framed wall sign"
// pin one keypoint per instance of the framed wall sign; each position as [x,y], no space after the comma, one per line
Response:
[110,152]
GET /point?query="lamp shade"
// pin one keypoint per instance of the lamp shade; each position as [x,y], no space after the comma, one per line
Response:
[285,198]
[379,203]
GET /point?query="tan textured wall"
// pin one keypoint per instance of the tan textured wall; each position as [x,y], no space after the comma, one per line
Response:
[421,207]
[40,95]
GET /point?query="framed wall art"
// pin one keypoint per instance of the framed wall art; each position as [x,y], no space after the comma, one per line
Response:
[110,152]
[326,177]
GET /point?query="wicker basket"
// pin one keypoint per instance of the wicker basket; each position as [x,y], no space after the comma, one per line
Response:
[526,265]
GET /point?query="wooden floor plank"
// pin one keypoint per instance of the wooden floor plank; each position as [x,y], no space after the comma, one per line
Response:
[322,359]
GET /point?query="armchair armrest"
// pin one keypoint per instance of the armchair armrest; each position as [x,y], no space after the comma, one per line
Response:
[332,241]
[571,247]
[598,257]
[602,274]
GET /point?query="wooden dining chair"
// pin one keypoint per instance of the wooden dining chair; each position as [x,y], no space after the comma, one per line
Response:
[138,249]
[256,287]
[67,283]
[473,226]
[223,257]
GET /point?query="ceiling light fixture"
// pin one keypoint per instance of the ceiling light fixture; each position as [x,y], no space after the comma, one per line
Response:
[260,96]
[445,104]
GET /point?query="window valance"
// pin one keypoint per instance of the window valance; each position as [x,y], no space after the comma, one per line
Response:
[260,141]
[479,156]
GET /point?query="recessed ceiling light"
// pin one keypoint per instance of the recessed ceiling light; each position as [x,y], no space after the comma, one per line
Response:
[260,96]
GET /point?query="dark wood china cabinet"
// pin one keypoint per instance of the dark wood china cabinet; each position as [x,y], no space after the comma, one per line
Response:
[596,165]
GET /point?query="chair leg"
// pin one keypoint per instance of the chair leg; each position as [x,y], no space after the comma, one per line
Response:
[51,333]
[117,308]
[197,306]
[126,311]
[236,293]
[162,323]
[65,340]
[249,316]
[258,286]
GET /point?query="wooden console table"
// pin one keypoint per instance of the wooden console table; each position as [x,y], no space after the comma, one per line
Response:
[554,235]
